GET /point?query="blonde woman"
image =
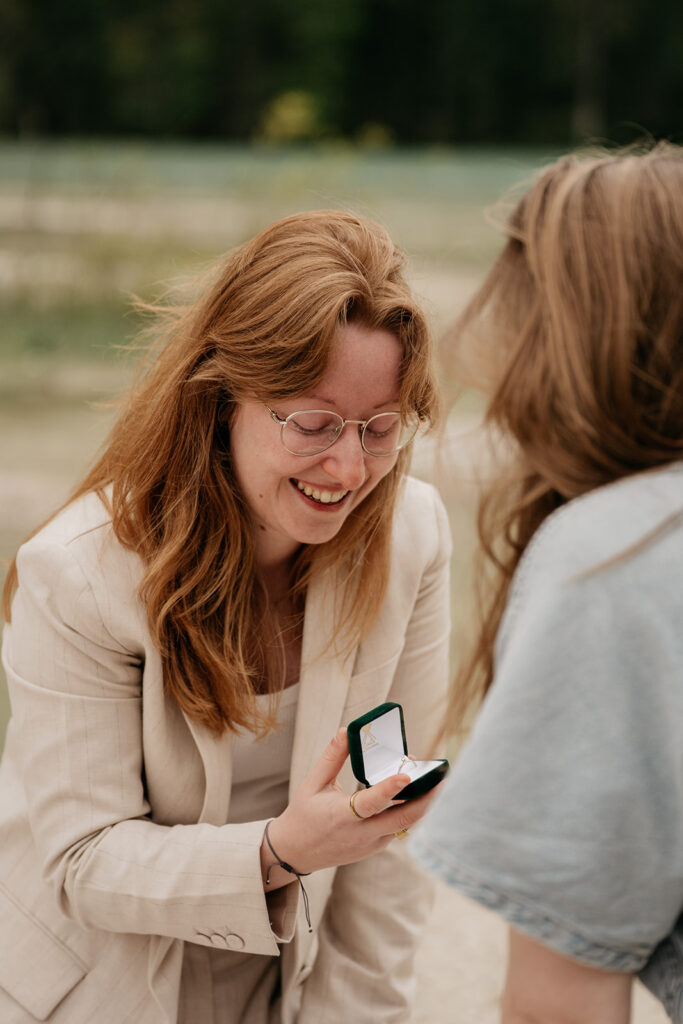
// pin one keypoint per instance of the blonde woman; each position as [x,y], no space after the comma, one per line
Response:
[245,569]
[564,813]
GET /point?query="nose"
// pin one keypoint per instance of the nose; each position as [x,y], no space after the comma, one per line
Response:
[345,460]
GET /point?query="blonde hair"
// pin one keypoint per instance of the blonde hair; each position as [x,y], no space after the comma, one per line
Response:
[581,318]
[262,331]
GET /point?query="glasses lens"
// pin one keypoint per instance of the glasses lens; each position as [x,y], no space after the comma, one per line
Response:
[306,433]
[388,433]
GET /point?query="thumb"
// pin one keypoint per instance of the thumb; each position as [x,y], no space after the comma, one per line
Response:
[380,796]
[330,763]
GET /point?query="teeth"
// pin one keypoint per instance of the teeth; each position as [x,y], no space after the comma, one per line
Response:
[325,497]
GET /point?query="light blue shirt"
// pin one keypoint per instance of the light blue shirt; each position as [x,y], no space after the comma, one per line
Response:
[564,812]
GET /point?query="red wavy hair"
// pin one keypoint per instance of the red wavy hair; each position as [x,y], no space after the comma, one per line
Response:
[262,330]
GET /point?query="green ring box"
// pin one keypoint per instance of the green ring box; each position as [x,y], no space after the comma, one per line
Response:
[378,749]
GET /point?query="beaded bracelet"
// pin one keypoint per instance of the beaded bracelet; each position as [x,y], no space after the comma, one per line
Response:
[292,871]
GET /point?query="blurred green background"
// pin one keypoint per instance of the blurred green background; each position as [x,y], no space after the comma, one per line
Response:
[140,141]
[408,71]
[85,224]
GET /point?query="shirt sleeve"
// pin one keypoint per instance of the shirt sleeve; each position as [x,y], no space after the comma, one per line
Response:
[563,813]
[77,735]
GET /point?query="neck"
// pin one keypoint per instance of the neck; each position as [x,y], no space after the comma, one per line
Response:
[272,552]
[275,578]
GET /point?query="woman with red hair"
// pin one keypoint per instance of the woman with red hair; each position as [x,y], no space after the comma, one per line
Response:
[244,570]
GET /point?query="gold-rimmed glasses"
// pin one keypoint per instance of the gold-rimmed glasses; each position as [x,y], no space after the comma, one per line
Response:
[312,431]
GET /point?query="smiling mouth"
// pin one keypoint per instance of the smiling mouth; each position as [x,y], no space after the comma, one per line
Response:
[321,496]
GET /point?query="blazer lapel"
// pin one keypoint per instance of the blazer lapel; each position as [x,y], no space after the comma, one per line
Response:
[216,754]
[323,688]
[323,682]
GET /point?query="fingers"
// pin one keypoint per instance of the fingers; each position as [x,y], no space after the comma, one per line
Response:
[406,814]
[390,818]
[371,801]
[330,763]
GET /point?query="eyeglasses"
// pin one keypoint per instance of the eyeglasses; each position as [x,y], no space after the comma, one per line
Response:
[314,430]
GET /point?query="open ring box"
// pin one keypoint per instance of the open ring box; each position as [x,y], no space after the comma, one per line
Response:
[378,749]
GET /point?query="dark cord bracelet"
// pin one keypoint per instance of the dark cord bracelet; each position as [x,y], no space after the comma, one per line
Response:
[288,867]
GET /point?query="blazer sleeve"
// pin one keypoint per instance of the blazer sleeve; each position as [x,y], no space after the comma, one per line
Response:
[379,906]
[77,712]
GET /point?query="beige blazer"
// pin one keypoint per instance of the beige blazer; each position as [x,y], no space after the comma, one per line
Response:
[114,845]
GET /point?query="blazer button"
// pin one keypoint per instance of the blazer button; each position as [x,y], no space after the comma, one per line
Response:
[229,941]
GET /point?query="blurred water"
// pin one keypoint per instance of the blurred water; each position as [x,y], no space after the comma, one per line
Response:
[144,167]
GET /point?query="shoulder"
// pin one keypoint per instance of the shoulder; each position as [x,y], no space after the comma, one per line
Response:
[421,542]
[72,524]
[617,548]
[605,523]
[549,816]
[421,520]
[76,563]
[83,531]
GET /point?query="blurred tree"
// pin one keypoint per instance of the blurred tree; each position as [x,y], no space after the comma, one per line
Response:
[643,79]
[428,71]
[53,60]
[247,62]
[459,71]
[157,57]
[291,117]
[591,29]
[321,41]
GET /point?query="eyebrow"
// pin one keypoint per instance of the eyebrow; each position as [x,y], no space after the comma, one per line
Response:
[330,401]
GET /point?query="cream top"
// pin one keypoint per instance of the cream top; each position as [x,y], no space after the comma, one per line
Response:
[260,767]
[222,985]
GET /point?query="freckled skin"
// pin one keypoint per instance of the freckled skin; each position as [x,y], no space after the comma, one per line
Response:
[361,380]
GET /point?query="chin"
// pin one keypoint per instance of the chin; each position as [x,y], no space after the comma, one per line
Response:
[320,536]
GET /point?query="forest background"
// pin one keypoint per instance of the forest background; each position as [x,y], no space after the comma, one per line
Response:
[139,141]
[401,71]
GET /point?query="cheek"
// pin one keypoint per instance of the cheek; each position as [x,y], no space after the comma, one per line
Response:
[269,477]
[379,470]
[259,463]
[385,466]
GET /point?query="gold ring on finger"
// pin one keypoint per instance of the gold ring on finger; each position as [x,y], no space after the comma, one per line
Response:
[401,834]
[352,799]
